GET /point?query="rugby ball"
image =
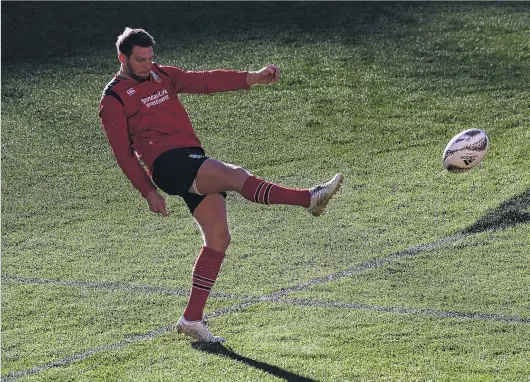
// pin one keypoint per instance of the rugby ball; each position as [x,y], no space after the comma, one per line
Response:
[465,150]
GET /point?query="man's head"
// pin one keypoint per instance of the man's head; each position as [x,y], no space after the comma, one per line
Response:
[135,52]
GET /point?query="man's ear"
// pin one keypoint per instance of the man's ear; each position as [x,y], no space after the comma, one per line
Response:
[122,58]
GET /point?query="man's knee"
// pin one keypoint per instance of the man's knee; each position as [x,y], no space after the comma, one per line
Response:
[237,171]
[217,238]
[241,171]
[238,176]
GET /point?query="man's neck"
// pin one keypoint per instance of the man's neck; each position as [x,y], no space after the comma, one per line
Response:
[122,74]
[129,76]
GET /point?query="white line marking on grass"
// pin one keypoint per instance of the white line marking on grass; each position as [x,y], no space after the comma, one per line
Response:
[251,301]
[117,287]
[81,356]
[347,272]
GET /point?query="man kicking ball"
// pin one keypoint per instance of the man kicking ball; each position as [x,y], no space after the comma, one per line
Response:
[144,120]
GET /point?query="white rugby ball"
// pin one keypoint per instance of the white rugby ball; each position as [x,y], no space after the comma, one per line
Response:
[465,150]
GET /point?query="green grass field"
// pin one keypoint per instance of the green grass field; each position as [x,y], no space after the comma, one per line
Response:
[414,274]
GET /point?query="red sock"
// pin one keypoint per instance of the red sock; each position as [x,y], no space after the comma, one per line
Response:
[204,275]
[263,192]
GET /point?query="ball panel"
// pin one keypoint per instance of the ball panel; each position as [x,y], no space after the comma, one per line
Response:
[465,150]
[453,168]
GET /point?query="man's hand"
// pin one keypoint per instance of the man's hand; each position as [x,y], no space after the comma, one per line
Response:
[266,75]
[157,203]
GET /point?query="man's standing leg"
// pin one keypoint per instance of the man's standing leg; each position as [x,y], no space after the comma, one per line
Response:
[211,217]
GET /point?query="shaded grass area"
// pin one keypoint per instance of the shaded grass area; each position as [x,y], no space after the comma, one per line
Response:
[510,213]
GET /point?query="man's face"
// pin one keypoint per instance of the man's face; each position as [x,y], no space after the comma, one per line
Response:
[139,63]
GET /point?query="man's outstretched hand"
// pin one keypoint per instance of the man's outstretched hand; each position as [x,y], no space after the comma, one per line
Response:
[266,75]
[157,203]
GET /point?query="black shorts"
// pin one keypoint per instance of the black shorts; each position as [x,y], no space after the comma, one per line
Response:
[175,170]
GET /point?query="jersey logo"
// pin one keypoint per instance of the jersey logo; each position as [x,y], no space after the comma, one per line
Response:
[157,98]
[131,91]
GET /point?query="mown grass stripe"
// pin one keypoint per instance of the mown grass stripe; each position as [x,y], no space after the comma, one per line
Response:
[249,300]
[403,310]
[117,287]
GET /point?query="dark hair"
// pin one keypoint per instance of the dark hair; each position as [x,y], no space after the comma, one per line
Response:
[131,37]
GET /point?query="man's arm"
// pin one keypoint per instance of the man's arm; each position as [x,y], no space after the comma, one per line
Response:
[214,81]
[114,123]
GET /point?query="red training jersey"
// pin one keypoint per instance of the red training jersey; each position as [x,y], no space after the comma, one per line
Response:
[143,119]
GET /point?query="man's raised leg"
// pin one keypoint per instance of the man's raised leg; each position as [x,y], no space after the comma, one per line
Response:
[216,176]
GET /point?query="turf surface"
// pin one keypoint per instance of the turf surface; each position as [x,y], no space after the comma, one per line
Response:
[414,273]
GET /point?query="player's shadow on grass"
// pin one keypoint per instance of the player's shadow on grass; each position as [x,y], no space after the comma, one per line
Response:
[219,349]
[511,212]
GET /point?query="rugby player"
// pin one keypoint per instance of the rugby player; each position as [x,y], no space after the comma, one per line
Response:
[145,122]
